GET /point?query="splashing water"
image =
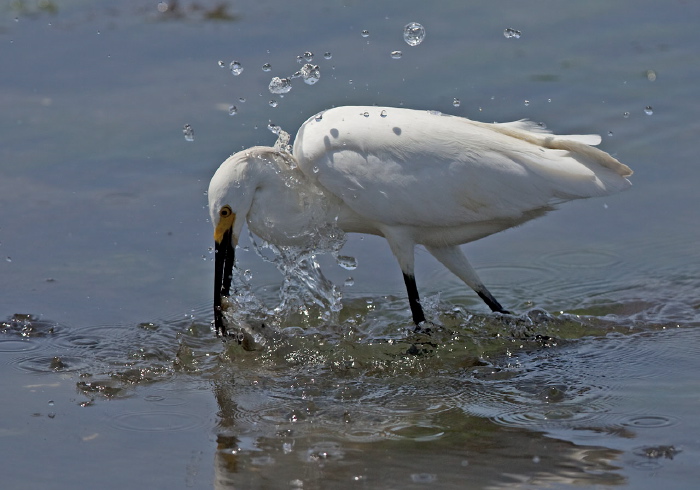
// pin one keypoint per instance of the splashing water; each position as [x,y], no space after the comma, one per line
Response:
[413,34]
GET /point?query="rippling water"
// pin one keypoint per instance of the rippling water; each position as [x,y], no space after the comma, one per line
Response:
[110,370]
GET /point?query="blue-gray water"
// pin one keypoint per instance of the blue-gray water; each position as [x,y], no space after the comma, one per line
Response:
[110,372]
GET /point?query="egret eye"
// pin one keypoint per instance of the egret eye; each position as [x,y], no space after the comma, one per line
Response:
[225,212]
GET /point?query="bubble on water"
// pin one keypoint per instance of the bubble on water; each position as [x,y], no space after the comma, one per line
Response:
[327,55]
[308,56]
[383,114]
[396,55]
[273,103]
[346,262]
[233,110]
[626,115]
[236,68]
[511,33]
[188,132]
[413,34]
[280,85]
[310,73]
[221,64]
[648,110]
[365,33]
[267,67]
[456,102]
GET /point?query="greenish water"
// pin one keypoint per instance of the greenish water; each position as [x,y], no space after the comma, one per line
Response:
[110,371]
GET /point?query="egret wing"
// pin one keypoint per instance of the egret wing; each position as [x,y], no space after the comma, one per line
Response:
[400,166]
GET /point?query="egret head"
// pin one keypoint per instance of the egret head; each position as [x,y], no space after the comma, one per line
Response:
[232,191]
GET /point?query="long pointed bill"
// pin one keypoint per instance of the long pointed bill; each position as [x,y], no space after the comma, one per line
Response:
[223,270]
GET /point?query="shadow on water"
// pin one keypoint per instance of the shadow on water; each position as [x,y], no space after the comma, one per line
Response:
[491,400]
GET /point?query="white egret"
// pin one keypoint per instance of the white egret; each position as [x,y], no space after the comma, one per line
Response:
[413,177]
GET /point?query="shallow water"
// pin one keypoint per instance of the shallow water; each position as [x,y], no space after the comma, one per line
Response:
[110,371]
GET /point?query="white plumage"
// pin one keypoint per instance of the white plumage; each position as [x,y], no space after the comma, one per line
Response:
[414,177]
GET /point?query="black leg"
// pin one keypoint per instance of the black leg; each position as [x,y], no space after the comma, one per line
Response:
[413,299]
[491,301]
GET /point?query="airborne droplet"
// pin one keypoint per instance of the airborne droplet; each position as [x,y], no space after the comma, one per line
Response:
[267,67]
[413,34]
[365,33]
[511,33]
[396,55]
[280,85]
[456,102]
[236,68]
[188,132]
[233,110]
[648,110]
[310,73]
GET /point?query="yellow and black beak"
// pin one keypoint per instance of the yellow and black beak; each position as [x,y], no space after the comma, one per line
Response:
[225,255]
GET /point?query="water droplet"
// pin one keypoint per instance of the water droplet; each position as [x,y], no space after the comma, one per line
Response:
[241,100]
[365,33]
[349,282]
[396,55]
[188,132]
[280,85]
[221,64]
[423,478]
[310,73]
[308,56]
[327,55]
[236,68]
[366,114]
[318,117]
[383,113]
[651,75]
[273,127]
[413,34]
[233,110]
[511,33]
[435,113]
[346,262]
[626,115]
[456,102]
[247,275]
[273,103]
[51,403]
[315,170]
[610,133]
[267,67]
[527,103]
[162,7]
[296,74]
[648,110]
[300,59]
[535,459]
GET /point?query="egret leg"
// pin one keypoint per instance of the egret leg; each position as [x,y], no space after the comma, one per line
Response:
[457,263]
[413,299]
